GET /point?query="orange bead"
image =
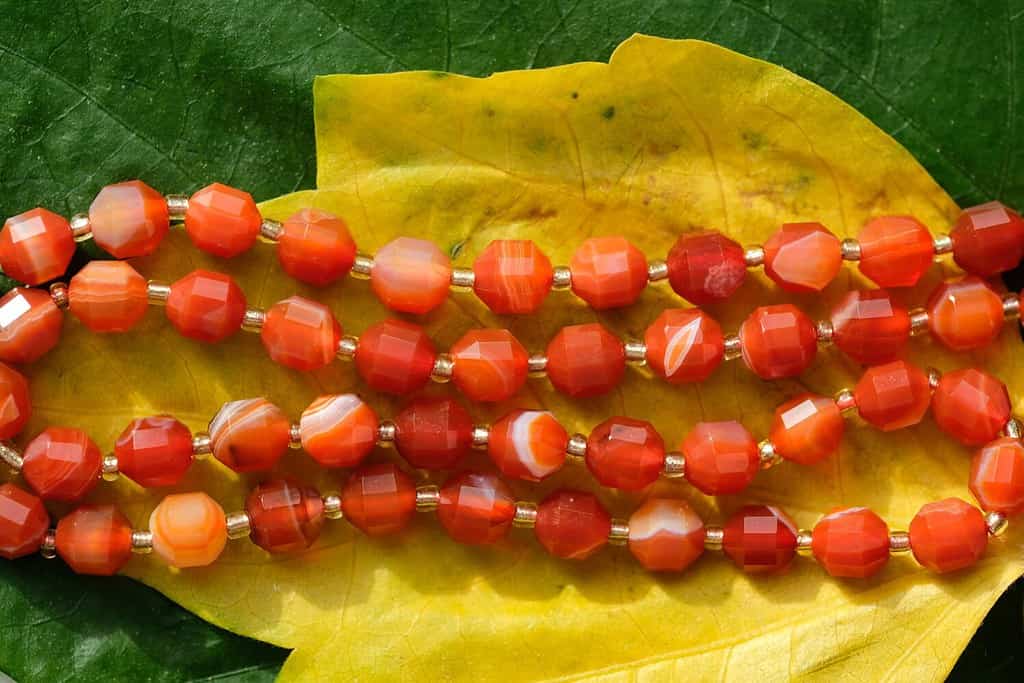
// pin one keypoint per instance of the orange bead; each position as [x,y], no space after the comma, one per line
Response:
[433,432]
[285,515]
[760,539]
[705,267]
[512,276]
[965,314]
[684,345]
[411,275]
[108,296]
[721,457]
[895,251]
[338,430]
[585,360]
[476,509]
[62,463]
[154,451]
[870,327]
[395,356]
[29,325]
[222,220]
[802,257]
[988,239]
[95,539]
[807,429]
[528,444]
[971,405]
[572,525]
[189,529]
[23,522]
[379,499]
[997,476]
[206,306]
[15,404]
[948,535]
[893,396]
[36,246]
[666,535]
[129,219]
[624,453]
[301,334]
[851,543]
[778,341]
[249,435]
[608,272]
[490,365]
[315,247]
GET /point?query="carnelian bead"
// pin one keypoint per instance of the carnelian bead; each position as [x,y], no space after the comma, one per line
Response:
[490,365]
[285,516]
[338,430]
[129,219]
[869,327]
[154,451]
[512,276]
[36,246]
[572,525]
[528,444]
[222,220]
[971,405]
[892,396]
[666,535]
[778,341]
[760,539]
[948,535]
[15,404]
[807,429]
[411,275]
[433,433]
[395,356]
[206,306]
[706,267]
[684,345]
[585,360]
[802,257]
[965,314]
[94,539]
[625,454]
[249,435]
[301,334]
[895,251]
[29,325]
[189,529]
[476,508]
[851,543]
[721,457]
[108,296]
[62,463]
[315,247]
[379,499]
[997,476]
[23,522]
[988,239]
[608,272]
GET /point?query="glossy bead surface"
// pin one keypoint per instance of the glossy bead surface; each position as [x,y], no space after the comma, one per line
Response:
[315,247]
[802,257]
[684,345]
[395,356]
[94,539]
[108,296]
[490,365]
[15,402]
[129,219]
[379,499]
[608,272]
[666,535]
[869,327]
[965,314]
[338,430]
[154,451]
[285,515]
[988,239]
[624,453]
[189,529]
[300,334]
[433,433]
[475,508]
[948,535]
[29,325]
[807,429]
[512,276]
[760,539]
[23,522]
[893,396]
[997,476]
[528,444]
[778,341]
[851,543]
[62,463]
[411,275]
[585,360]
[36,246]
[706,267]
[206,306]
[572,525]
[895,251]
[721,457]
[249,435]
[971,405]
[222,220]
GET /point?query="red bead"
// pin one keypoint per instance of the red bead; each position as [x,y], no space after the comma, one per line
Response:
[948,535]
[476,508]
[802,257]
[988,239]
[528,444]
[108,296]
[206,306]
[23,522]
[249,435]
[512,276]
[490,365]
[572,525]
[778,341]
[379,499]
[433,433]
[62,463]
[315,247]
[36,246]
[301,334]
[154,451]
[851,543]
[95,539]
[15,404]
[997,476]
[759,539]
[895,251]
[608,272]
[29,325]
[338,430]
[222,220]
[965,314]
[684,345]
[129,219]
[892,396]
[625,454]
[721,457]
[665,534]
[585,360]
[971,405]
[706,267]
[807,429]
[411,275]
[869,327]
[285,515]
[395,356]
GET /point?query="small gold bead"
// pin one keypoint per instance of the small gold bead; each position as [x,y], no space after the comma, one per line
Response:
[803,542]
[1013,429]
[347,346]
[428,497]
[1011,306]
[526,515]
[733,347]
[899,542]
[636,352]
[253,319]
[943,244]
[295,436]
[59,294]
[157,292]
[619,534]
[386,433]
[238,525]
[657,270]
[537,365]
[271,229]
[481,435]
[48,548]
[444,365]
[823,330]
[850,249]
[576,446]
[675,465]
[177,206]
[766,452]
[332,506]
[846,401]
[463,278]
[109,470]
[362,267]
[10,454]
[713,536]
[918,322]
[934,377]
[202,445]
[81,228]
[996,523]
[561,278]
[142,542]
[753,256]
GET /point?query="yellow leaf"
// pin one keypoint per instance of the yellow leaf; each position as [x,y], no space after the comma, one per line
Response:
[667,137]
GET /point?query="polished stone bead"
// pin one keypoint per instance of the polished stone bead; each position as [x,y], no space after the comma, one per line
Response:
[154,451]
[988,239]
[807,429]
[997,476]
[721,457]
[684,345]
[971,405]
[666,535]
[250,435]
[851,543]
[108,296]
[608,272]
[222,220]
[129,219]
[624,453]
[411,275]
[870,327]
[778,341]
[62,463]
[490,365]
[15,402]
[512,276]
[893,396]
[94,539]
[948,535]
[36,246]
[802,257]
[572,525]
[528,444]
[285,516]
[315,247]
[475,508]
[395,356]
[433,433]
[965,314]
[338,430]
[23,522]
[379,499]
[895,251]
[760,539]
[189,529]
[300,333]
[585,360]
[206,306]
[30,325]
[706,267]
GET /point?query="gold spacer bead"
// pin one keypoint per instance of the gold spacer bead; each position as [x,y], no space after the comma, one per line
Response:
[202,445]
[899,542]
[347,346]
[362,267]
[636,352]
[675,465]
[271,229]
[109,471]
[713,536]
[845,401]
[803,542]
[10,454]
[1011,306]
[463,278]
[428,497]
[934,377]
[619,534]
[59,294]
[766,452]
[850,249]
[657,270]
[526,515]
[1013,429]
[48,548]
[733,347]
[996,523]
[576,447]
[254,319]
[332,506]
[177,206]
[824,331]
[238,525]
[481,435]
[81,228]
[142,542]
[537,365]
[386,431]
[561,278]
[157,292]
[295,436]
[753,256]
[444,366]
[942,243]
[918,322]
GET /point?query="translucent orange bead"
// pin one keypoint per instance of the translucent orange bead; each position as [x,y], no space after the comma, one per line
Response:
[23,522]
[249,435]
[154,451]
[36,246]
[948,535]
[476,509]
[301,334]
[851,543]
[802,257]
[807,429]
[379,499]
[721,457]
[970,405]
[895,251]
[411,275]
[893,396]
[870,327]
[965,314]
[624,453]
[395,356]
[512,276]
[30,325]
[285,515]
[95,539]
[608,272]
[129,219]
[15,403]
[206,306]
[988,239]
[338,430]
[108,296]
[572,525]
[666,535]
[778,341]
[705,267]
[528,444]
[189,529]
[490,365]
[222,220]
[433,432]
[585,360]
[997,476]
[62,463]
[315,247]
[684,345]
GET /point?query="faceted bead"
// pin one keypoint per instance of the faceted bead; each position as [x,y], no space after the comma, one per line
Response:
[684,345]
[285,516]
[585,360]
[490,365]
[997,476]
[95,539]
[528,444]
[608,272]
[869,327]
[108,296]
[512,276]
[249,435]
[411,275]
[706,267]
[851,543]
[988,239]
[807,429]
[23,522]
[624,453]
[666,535]
[15,404]
[189,529]
[206,306]
[62,463]
[948,535]
[29,325]
[970,405]
[395,356]
[379,499]
[476,508]
[222,220]
[572,525]
[36,246]
[338,430]
[965,314]
[129,219]
[892,396]
[721,457]
[778,341]
[433,433]
[895,251]
[802,257]
[154,451]
[760,539]
[300,334]
[315,247]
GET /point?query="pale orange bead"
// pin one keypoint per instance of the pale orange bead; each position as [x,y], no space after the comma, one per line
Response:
[965,314]
[608,272]
[411,275]
[189,529]
[108,296]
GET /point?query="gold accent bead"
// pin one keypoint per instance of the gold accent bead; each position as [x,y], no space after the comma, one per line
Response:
[713,536]
[733,347]
[934,377]
[109,470]
[428,497]
[332,506]
[1013,429]
[918,322]
[899,542]
[347,346]
[846,401]
[48,548]
[942,243]
[254,319]
[386,431]
[803,542]
[444,365]
[59,294]
[271,229]
[996,523]
[1011,306]
[463,278]
[850,249]
[537,365]
[576,446]
[238,525]
[766,452]
[824,331]
[562,278]
[81,228]
[753,256]
[295,436]
[202,445]
[177,206]
[657,269]
[157,292]
[526,515]
[619,534]
[675,465]
[362,267]
[481,435]
[11,455]
[636,352]
[142,542]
